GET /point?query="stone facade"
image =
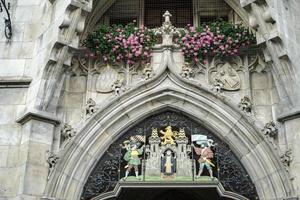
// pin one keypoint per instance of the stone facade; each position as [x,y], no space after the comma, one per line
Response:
[44,84]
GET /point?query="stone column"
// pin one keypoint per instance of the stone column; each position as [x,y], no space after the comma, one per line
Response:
[37,138]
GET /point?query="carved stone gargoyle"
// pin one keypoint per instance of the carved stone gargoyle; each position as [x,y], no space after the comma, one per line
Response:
[270,130]
[90,107]
[246,105]
[67,132]
[286,158]
[52,161]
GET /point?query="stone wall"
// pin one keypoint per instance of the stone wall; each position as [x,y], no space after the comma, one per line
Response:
[45,37]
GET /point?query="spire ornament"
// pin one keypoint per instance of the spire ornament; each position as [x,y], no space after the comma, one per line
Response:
[167,31]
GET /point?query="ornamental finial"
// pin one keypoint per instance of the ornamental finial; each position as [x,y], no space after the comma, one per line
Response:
[167,16]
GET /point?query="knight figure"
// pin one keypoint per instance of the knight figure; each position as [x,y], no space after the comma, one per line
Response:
[205,154]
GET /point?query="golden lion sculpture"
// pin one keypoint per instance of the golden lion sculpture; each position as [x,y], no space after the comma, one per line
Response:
[168,136]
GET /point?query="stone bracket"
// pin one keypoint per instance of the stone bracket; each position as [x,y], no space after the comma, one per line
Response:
[39,116]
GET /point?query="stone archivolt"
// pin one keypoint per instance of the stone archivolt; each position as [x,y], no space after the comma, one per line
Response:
[72,172]
[168,90]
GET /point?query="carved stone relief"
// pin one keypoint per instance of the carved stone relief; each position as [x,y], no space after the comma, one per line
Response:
[52,159]
[257,64]
[226,72]
[108,76]
[187,71]
[246,105]
[270,130]
[67,132]
[286,158]
[90,107]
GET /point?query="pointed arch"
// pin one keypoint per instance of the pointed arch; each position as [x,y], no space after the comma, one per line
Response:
[168,91]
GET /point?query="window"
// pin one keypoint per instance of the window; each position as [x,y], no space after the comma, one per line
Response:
[150,12]
[181,10]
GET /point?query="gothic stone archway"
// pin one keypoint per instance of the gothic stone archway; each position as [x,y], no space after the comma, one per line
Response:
[110,167]
[168,91]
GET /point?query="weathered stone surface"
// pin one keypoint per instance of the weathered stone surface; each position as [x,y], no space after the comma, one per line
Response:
[37,41]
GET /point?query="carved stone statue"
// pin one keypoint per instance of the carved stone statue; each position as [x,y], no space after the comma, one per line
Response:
[67,131]
[246,105]
[270,130]
[286,158]
[51,160]
[90,107]
[168,136]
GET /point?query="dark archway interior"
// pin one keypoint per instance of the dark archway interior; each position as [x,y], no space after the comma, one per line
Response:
[170,194]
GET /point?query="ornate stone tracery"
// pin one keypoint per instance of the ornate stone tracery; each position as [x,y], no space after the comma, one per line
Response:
[106,174]
[226,73]
[223,86]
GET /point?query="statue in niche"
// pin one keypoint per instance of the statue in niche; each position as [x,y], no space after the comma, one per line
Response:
[227,76]
[204,152]
[168,136]
[168,163]
[132,156]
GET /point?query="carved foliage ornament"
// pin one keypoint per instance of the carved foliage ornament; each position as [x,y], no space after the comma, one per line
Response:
[52,159]
[167,31]
[286,158]
[270,130]
[90,107]
[246,105]
[67,132]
